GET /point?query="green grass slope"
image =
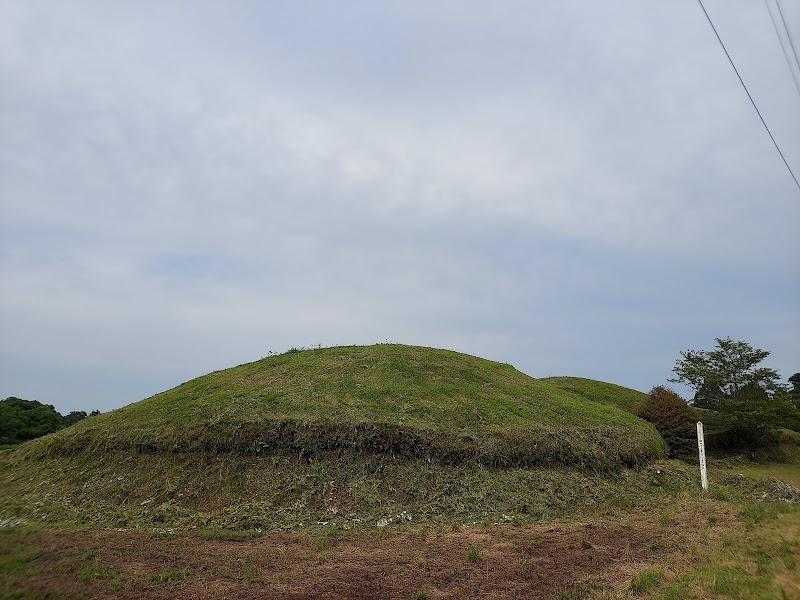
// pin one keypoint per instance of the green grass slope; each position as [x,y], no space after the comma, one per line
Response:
[405,401]
[599,391]
[341,437]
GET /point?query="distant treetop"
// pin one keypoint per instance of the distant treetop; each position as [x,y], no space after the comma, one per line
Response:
[23,420]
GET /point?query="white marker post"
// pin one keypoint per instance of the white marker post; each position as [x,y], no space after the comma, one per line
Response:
[701,446]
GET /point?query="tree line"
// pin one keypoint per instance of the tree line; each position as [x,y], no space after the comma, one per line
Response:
[743,405]
[23,420]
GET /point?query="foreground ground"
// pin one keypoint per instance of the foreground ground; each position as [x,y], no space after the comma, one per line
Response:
[715,545]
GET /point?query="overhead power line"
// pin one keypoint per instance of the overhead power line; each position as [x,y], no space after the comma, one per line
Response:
[783,44]
[748,94]
[788,33]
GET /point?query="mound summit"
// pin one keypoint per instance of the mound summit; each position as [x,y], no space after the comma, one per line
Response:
[406,401]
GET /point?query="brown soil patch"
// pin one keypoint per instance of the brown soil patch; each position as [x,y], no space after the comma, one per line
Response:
[514,562]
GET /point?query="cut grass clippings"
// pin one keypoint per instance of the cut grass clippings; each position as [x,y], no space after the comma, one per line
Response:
[235,493]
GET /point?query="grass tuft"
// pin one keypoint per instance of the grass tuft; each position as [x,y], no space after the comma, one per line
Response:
[228,535]
[167,576]
[474,554]
[645,582]
[94,571]
[321,542]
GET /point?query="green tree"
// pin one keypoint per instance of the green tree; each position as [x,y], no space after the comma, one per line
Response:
[788,403]
[22,420]
[794,393]
[78,415]
[748,399]
[729,371]
[74,417]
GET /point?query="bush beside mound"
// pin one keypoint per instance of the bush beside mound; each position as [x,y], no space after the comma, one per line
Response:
[673,418]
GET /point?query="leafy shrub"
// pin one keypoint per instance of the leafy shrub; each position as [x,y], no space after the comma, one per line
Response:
[673,418]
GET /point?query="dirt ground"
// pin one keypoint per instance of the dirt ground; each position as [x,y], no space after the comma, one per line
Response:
[499,562]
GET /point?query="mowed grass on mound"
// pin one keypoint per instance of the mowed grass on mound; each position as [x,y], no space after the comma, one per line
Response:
[404,401]
[600,391]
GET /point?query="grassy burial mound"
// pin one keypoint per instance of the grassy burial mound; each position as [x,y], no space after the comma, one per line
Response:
[600,391]
[403,401]
[375,433]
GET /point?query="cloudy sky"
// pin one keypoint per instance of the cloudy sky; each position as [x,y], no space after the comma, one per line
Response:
[577,188]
